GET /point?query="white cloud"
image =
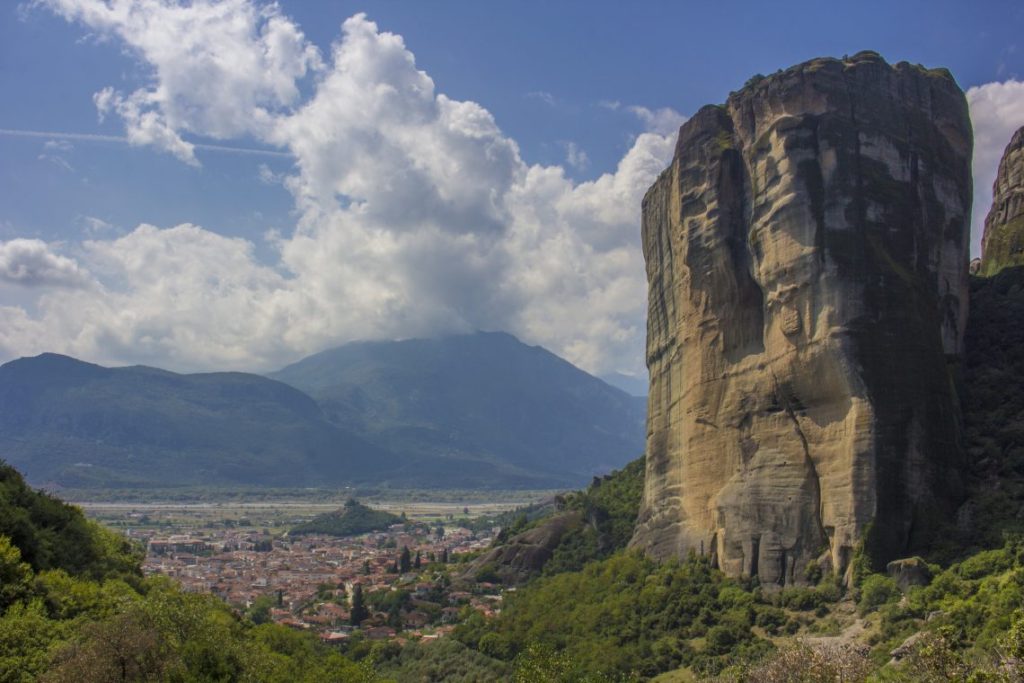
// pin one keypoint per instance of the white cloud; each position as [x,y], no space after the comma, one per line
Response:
[997,111]
[664,121]
[575,156]
[220,69]
[544,96]
[32,263]
[267,176]
[415,213]
[52,153]
[95,227]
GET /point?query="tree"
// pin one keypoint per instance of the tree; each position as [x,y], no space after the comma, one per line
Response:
[418,562]
[366,567]
[405,560]
[359,611]
[15,575]
[126,647]
[439,531]
[259,611]
[444,556]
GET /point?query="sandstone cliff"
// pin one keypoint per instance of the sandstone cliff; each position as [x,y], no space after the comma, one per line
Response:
[1003,242]
[807,265]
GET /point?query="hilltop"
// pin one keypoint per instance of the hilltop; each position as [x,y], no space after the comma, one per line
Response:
[351,520]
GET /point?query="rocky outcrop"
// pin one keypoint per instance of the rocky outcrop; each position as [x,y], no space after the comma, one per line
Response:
[524,555]
[1003,242]
[807,266]
[910,571]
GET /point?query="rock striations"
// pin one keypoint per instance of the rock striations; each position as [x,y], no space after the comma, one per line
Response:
[1003,241]
[807,265]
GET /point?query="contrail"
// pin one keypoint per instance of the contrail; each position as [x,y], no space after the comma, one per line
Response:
[96,137]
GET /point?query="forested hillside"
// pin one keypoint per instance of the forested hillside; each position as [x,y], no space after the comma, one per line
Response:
[74,607]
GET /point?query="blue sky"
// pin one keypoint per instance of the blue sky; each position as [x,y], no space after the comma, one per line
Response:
[463,165]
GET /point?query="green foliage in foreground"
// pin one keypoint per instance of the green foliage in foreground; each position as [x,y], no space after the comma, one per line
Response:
[70,629]
[626,617]
[50,534]
[351,520]
[445,660]
[74,607]
[974,602]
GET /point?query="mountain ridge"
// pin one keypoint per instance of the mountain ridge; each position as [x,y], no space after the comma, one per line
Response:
[71,423]
[484,393]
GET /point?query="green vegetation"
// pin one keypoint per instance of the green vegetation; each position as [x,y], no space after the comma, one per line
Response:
[972,604]
[352,519]
[627,616]
[610,506]
[589,525]
[50,534]
[74,607]
[446,660]
[993,416]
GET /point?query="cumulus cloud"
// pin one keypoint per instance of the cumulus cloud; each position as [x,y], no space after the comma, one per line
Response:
[664,120]
[415,213]
[32,263]
[997,111]
[220,69]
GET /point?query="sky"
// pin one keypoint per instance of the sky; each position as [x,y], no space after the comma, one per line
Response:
[235,185]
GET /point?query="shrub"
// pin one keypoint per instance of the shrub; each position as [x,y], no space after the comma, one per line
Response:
[876,590]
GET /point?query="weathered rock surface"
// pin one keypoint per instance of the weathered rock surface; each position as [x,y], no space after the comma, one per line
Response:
[807,266]
[525,554]
[1003,242]
[910,571]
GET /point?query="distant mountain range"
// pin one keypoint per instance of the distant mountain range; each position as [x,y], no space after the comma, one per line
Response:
[480,410]
[71,423]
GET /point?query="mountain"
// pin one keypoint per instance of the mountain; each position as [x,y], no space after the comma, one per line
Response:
[808,287]
[476,407]
[458,412]
[634,386]
[70,423]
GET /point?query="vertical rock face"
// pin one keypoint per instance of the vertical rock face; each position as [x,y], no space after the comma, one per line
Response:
[807,266]
[1003,242]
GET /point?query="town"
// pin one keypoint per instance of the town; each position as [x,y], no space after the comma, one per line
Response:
[409,582]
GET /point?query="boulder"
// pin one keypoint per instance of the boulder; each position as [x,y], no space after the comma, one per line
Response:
[911,571]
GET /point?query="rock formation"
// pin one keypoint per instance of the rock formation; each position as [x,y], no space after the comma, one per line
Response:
[524,555]
[1003,241]
[807,266]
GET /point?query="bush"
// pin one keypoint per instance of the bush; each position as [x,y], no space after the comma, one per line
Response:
[876,590]
[770,619]
[497,646]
